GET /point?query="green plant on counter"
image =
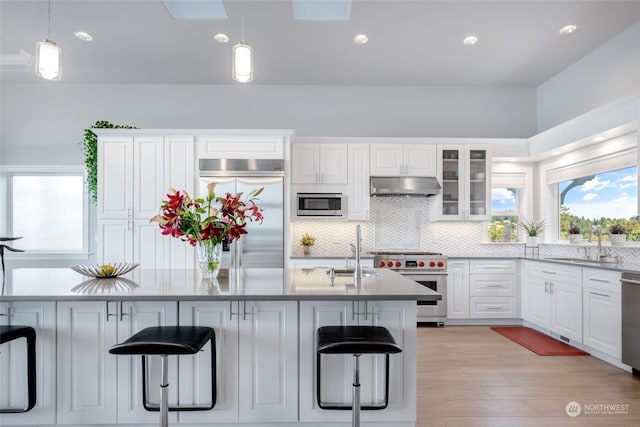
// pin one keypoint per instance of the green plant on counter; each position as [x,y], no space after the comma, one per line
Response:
[90,148]
[307,240]
[616,229]
[532,228]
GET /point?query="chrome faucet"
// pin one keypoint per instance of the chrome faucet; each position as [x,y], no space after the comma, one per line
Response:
[596,230]
[357,272]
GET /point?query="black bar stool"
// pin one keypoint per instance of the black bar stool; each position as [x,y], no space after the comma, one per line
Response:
[356,340]
[165,341]
[10,333]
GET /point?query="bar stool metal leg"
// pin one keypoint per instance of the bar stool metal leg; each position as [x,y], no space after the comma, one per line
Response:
[356,392]
[164,393]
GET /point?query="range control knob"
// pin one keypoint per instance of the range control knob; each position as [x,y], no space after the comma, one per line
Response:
[382,263]
[440,264]
[390,264]
[421,264]
[398,263]
[432,264]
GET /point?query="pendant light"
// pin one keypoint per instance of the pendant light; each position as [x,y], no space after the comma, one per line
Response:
[48,57]
[242,60]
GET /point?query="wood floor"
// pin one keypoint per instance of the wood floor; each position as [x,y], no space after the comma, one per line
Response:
[472,376]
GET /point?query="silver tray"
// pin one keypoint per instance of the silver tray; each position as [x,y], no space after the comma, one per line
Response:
[119,268]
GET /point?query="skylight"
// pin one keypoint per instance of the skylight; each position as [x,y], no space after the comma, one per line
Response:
[321,10]
[195,9]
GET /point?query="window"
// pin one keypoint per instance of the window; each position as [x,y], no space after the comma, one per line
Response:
[603,199]
[507,202]
[504,214]
[48,210]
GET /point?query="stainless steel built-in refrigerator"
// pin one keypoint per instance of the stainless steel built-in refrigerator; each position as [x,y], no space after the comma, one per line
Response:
[263,246]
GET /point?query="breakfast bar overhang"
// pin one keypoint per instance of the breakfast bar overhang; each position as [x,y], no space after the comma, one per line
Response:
[265,323]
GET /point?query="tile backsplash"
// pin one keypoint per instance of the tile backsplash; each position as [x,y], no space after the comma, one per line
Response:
[406,223]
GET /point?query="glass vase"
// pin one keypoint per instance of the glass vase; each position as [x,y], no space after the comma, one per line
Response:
[209,258]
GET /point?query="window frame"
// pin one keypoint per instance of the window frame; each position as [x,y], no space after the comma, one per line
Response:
[624,147]
[7,172]
[524,197]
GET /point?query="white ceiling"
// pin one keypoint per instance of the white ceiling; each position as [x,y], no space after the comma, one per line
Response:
[410,42]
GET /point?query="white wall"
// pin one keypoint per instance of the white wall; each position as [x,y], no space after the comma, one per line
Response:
[43,123]
[609,72]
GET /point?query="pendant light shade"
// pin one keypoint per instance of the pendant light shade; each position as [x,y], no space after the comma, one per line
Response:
[48,60]
[242,63]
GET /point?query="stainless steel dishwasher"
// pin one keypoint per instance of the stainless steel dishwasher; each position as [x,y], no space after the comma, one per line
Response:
[631,321]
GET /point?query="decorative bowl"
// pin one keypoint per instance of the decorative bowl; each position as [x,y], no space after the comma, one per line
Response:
[105,270]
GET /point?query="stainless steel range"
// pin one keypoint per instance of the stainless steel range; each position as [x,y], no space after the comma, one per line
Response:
[428,269]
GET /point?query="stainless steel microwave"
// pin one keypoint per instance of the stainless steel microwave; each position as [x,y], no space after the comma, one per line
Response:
[319,204]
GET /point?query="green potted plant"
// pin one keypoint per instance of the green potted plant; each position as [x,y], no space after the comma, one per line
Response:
[532,229]
[617,235]
[307,240]
[575,235]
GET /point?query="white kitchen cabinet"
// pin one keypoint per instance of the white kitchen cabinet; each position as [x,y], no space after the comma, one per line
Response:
[134,176]
[399,317]
[115,177]
[493,289]
[87,374]
[458,289]
[465,174]
[602,312]
[262,337]
[552,298]
[403,160]
[95,387]
[313,163]
[268,353]
[358,178]
[13,363]
[248,145]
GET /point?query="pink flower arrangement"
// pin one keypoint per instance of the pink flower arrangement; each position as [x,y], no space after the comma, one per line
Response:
[196,220]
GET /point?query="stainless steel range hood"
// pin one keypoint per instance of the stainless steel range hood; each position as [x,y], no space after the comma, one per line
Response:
[403,186]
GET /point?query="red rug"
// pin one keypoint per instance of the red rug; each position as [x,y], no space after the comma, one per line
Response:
[538,342]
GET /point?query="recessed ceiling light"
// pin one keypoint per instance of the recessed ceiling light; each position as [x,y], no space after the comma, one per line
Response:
[470,40]
[81,35]
[599,138]
[221,38]
[361,39]
[568,29]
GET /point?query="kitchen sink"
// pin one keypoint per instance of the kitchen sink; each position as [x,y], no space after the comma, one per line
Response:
[348,271]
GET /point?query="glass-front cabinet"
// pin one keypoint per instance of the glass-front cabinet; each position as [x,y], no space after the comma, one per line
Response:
[465,174]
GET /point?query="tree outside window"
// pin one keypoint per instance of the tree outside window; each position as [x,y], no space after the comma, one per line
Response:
[604,200]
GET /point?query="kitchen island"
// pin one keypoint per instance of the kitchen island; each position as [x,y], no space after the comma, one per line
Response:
[265,322]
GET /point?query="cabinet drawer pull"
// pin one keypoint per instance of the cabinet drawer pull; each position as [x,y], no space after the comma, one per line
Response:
[599,294]
[548,272]
[494,286]
[109,314]
[598,280]
[122,313]
[493,308]
[231,313]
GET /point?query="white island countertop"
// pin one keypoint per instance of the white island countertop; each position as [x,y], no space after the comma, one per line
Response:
[63,284]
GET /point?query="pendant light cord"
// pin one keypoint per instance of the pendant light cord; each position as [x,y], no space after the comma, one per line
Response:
[242,27]
[49,36]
